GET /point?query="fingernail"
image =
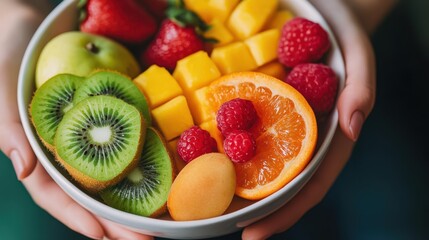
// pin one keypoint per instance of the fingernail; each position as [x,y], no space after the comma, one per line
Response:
[356,123]
[18,163]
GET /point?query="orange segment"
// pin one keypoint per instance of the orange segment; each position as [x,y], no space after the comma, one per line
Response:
[286,131]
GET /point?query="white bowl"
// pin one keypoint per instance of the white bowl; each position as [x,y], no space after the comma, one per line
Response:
[241,213]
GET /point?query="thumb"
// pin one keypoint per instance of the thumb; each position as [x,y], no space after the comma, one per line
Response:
[357,98]
[15,145]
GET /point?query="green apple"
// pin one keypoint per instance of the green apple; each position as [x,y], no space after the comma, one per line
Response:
[80,54]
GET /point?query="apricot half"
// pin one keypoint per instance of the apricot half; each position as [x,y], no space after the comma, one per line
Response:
[203,189]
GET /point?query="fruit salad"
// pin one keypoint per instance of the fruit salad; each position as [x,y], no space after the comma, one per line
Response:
[178,109]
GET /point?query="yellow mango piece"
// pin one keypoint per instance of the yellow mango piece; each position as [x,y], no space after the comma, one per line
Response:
[207,10]
[211,127]
[201,8]
[233,57]
[220,32]
[279,19]
[250,16]
[157,85]
[173,117]
[263,46]
[197,101]
[274,69]
[180,164]
[195,71]
[222,9]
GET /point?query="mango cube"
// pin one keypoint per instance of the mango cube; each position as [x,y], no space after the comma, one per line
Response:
[221,9]
[201,8]
[233,57]
[250,16]
[198,105]
[279,19]
[195,71]
[220,32]
[274,69]
[157,85]
[173,117]
[263,46]
[211,127]
[209,9]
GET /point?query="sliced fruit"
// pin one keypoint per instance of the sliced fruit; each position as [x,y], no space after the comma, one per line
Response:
[222,9]
[145,190]
[285,134]
[49,104]
[99,141]
[219,32]
[173,117]
[195,71]
[250,16]
[263,46]
[197,104]
[274,69]
[203,189]
[211,127]
[279,19]
[233,57]
[210,9]
[158,85]
[114,84]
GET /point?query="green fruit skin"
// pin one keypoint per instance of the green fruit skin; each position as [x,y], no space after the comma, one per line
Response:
[67,53]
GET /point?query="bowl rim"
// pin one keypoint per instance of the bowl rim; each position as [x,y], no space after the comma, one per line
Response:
[132,220]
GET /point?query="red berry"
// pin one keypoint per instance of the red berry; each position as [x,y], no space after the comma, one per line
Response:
[240,146]
[302,41]
[195,142]
[236,114]
[171,44]
[125,21]
[317,83]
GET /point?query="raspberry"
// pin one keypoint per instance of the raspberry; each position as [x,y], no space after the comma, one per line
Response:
[302,41]
[195,142]
[317,83]
[236,114]
[240,146]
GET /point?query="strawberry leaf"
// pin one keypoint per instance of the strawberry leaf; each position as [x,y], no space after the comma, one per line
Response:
[82,10]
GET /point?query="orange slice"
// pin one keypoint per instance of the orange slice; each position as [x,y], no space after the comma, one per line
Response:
[285,134]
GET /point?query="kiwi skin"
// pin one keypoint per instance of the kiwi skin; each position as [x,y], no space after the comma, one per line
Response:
[163,209]
[94,186]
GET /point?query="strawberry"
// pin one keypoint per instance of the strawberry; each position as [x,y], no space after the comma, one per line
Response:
[176,38]
[155,7]
[317,83]
[126,21]
[302,41]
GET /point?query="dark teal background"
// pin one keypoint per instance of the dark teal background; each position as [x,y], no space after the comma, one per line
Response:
[383,191]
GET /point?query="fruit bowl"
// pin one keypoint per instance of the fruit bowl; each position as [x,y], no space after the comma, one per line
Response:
[241,212]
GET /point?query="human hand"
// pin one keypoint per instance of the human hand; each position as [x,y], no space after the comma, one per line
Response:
[17,24]
[355,103]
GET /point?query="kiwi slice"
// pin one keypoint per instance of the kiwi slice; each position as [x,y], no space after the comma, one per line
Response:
[145,190]
[117,85]
[99,141]
[49,104]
